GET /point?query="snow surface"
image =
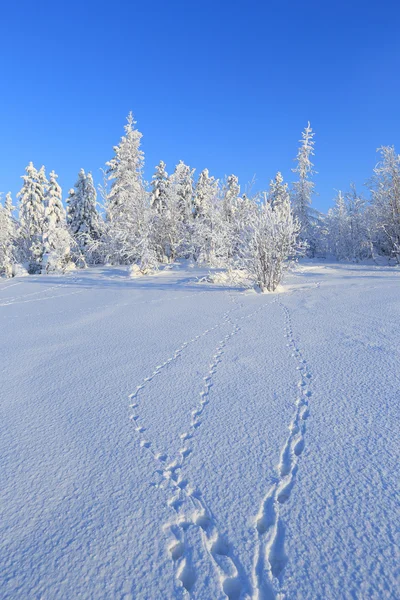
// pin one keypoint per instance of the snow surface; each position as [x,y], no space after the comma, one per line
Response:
[168,438]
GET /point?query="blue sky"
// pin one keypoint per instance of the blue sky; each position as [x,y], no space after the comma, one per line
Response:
[223,85]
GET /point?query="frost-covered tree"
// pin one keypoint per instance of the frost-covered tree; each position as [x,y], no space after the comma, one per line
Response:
[57,239]
[148,258]
[216,235]
[82,216]
[125,171]
[206,213]
[385,192]
[54,209]
[349,236]
[269,240]
[339,228]
[159,218]
[226,220]
[31,217]
[127,200]
[159,186]
[278,191]
[360,243]
[8,204]
[43,179]
[240,225]
[303,189]
[177,218]
[7,237]
[205,191]
[230,196]
[59,248]
[182,183]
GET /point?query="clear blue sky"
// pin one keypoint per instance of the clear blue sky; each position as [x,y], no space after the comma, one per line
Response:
[223,85]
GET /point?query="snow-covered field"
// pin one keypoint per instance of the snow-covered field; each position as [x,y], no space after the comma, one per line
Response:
[164,438]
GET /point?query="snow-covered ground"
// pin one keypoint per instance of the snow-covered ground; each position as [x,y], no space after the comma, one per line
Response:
[163,438]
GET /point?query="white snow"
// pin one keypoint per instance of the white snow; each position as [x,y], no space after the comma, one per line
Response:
[166,437]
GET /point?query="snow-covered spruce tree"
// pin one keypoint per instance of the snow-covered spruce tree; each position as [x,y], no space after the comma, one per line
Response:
[349,236]
[204,192]
[270,239]
[148,259]
[8,205]
[127,201]
[385,192]
[303,189]
[7,238]
[31,217]
[182,181]
[171,234]
[360,243]
[42,179]
[278,191]
[56,237]
[159,186]
[82,216]
[54,209]
[226,219]
[218,241]
[241,225]
[205,212]
[178,218]
[159,217]
[230,196]
[339,228]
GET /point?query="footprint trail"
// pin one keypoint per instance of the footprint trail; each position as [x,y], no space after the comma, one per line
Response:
[270,557]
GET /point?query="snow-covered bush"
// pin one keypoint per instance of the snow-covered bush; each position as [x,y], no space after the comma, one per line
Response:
[270,239]
[19,270]
[58,254]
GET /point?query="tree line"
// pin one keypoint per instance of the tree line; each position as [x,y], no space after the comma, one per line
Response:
[211,222]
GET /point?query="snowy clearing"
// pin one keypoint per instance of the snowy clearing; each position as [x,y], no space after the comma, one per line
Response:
[167,438]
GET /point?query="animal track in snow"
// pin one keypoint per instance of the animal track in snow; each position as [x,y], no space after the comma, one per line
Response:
[41,299]
[5,287]
[184,499]
[227,567]
[270,557]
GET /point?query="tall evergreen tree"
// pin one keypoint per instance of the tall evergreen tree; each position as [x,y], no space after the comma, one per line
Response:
[42,179]
[56,237]
[303,189]
[205,191]
[54,209]
[182,183]
[127,201]
[31,216]
[339,228]
[82,215]
[125,170]
[7,237]
[205,212]
[8,204]
[230,196]
[360,243]
[385,191]
[159,186]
